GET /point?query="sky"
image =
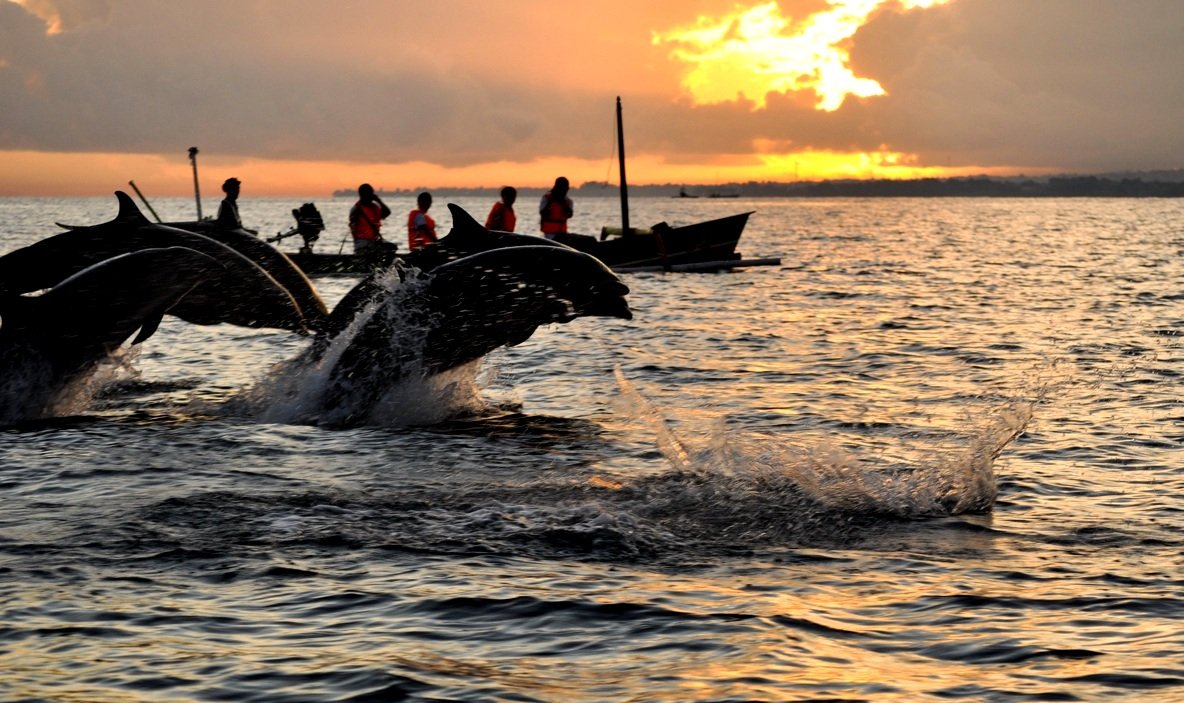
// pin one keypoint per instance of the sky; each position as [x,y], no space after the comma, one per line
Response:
[302,97]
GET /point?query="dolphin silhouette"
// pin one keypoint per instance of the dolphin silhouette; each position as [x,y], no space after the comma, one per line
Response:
[49,341]
[456,314]
[249,296]
[108,281]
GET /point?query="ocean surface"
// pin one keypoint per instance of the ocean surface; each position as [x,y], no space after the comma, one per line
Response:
[936,455]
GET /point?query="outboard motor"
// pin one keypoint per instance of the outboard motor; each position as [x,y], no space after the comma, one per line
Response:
[309,226]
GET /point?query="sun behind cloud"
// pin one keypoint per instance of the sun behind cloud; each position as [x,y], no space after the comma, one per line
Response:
[64,16]
[753,52]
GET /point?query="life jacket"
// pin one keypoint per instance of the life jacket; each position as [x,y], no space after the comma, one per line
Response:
[415,238]
[501,218]
[368,222]
[553,214]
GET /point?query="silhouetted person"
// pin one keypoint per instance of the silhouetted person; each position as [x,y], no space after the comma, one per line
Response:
[365,223]
[228,209]
[555,209]
[501,216]
[421,228]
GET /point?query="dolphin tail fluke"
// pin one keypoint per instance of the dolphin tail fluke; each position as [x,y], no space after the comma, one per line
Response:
[149,327]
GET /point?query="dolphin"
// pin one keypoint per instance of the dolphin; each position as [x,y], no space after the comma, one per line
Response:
[49,341]
[104,283]
[272,260]
[248,296]
[456,314]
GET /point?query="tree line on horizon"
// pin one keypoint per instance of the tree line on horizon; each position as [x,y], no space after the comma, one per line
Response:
[976,186]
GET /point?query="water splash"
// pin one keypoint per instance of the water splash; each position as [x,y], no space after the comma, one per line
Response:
[726,493]
[308,389]
[28,389]
[833,479]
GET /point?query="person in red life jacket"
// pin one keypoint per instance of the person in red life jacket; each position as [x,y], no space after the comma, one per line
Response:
[555,209]
[421,228]
[501,217]
[365,222]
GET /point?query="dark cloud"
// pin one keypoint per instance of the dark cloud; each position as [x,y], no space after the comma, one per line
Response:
[147,82]
[1076,84]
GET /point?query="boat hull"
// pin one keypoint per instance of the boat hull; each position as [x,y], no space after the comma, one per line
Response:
[698,246]
[698,243]
[336,264]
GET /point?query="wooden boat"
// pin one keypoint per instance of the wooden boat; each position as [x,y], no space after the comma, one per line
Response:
[709,246]
[663,245]
[701,246]
[315,264]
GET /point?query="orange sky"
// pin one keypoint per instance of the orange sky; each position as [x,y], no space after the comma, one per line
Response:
[304,97]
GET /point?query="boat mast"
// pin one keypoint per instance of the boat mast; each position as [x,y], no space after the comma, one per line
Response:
[621,159]
[196,191]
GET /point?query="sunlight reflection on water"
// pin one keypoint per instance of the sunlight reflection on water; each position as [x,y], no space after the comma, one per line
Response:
[773,484]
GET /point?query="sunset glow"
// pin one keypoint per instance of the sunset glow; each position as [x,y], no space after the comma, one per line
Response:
[294,101]
[751,53]
[47,11]
[811,165]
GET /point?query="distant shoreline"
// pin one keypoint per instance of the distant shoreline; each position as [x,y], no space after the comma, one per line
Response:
[975,187]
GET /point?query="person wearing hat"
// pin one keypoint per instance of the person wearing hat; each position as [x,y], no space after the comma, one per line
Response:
[228,211]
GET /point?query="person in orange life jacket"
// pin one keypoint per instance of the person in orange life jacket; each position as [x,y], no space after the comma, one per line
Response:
[421,229]
[501,217]
[555,209]
[228,209]
[365,222]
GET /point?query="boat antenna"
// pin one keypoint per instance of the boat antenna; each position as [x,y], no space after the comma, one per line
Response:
[621,159]
[196,190]
[144,200]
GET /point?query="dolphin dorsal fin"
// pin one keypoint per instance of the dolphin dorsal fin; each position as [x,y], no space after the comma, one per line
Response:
[463,223]
[128,212]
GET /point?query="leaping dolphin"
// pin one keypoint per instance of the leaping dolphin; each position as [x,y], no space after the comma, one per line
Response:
[458,313]
[108,281]
[250,296]
[49,341]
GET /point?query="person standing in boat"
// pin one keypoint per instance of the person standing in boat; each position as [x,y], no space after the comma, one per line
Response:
[365,222]
[501,217]
[555,209]
[228,209]
[421,228]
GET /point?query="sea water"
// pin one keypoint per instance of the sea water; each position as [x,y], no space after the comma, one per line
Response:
[936,454]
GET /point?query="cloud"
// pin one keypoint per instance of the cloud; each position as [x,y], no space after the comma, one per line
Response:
[151,79]
[1080,84]
[1077,84]
[759,50]
[68,15]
